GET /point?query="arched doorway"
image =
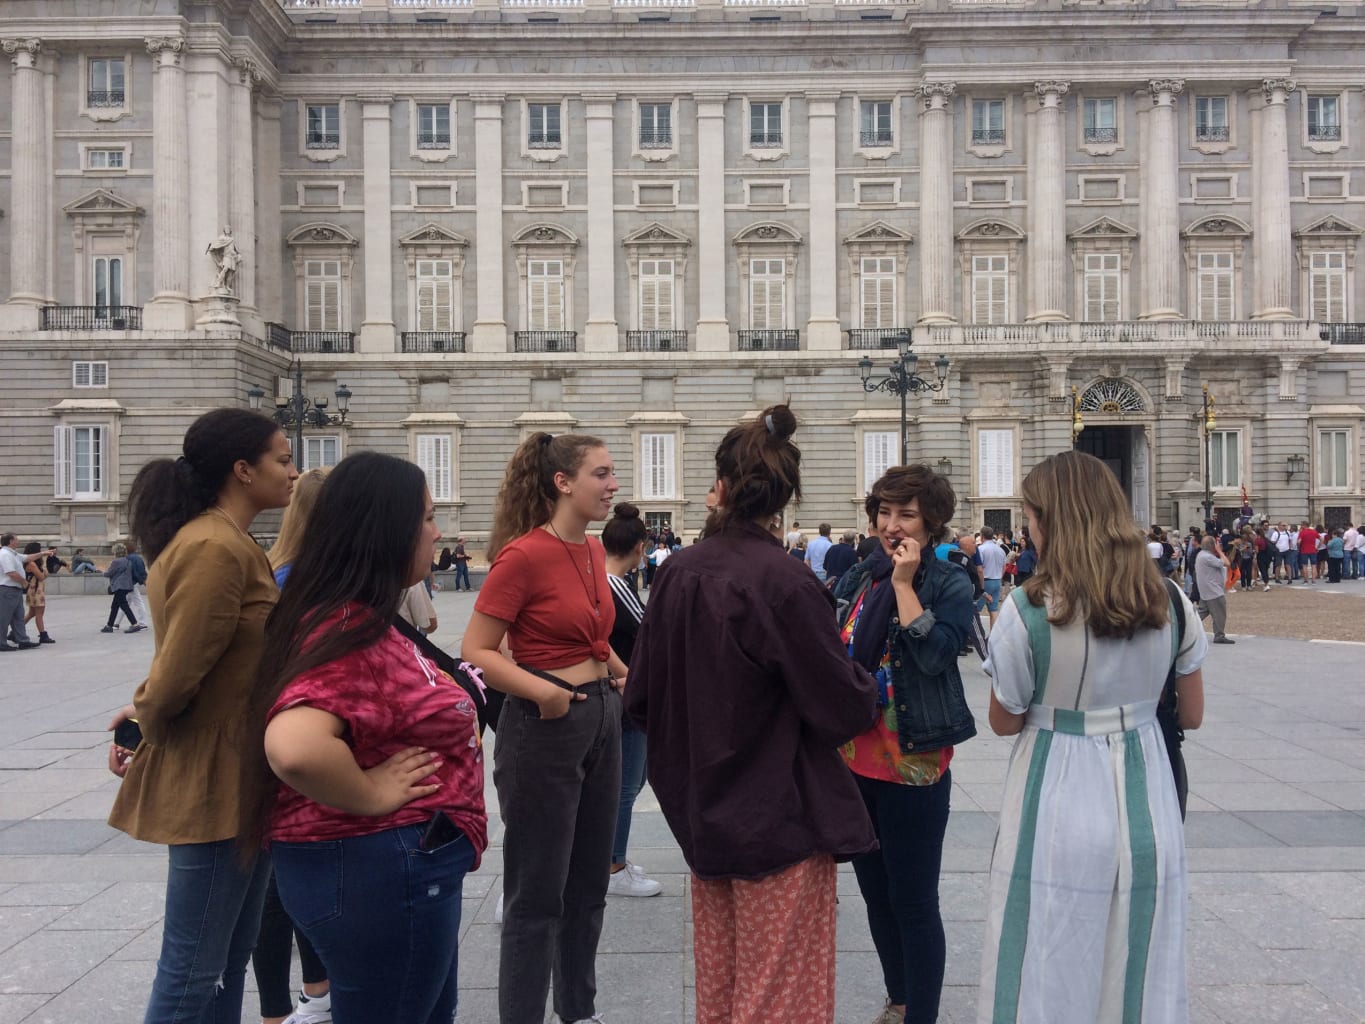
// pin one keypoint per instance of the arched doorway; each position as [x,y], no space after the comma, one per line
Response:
[1122,446]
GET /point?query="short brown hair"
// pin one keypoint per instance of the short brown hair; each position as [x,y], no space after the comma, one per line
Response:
[901,485]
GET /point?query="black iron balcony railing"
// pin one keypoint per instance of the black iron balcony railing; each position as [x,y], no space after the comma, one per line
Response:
[544,140]
[656,138]
[1099,136]
[878,337]
[1212,133]
[1345,334]
[875,137]
[769,341]
[324,140]
[770,139]
[104,98]
[433,140]
[1324,132]
[988,136]
[433,341]
[92,318]
[279,336]
[545,341]
[656,341]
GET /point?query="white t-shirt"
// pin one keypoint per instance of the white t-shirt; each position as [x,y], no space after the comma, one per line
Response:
[417,607]
[1280,539]
[1154,548]
[992,560]
[1350,540]
[10,561]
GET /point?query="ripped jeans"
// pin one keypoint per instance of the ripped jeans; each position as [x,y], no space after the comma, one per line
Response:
[384,917]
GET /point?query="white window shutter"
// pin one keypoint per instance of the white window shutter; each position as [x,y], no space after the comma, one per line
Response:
[879,455]
[99,375]
[667,454]
[63,482]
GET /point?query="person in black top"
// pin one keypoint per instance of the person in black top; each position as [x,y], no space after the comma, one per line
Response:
[867,545]
[840,557]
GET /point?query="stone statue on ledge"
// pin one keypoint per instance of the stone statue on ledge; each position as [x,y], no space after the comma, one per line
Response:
[228,259]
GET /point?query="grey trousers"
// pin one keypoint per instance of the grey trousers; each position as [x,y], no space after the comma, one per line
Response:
[558,785]
[12,614]
[1217,608]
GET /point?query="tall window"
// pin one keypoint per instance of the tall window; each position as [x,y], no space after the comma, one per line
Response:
[879,291]
[1211,119]
[658,457]
[1101,120]
[108,282]
[433,126]
[1324,118]
[433,459]
[542,126]
[1103,278]
[106,88]
[324,126]
[1334,468]
[990,289]
[80,462]
[656,126]
[545,295]
[880,451]
[656,295]
[988,122]
[1327,286]
[765,125]
[321,450]
[322,295]
[875,123]
[435,295]
[1215,281]
[1225,466]
[768,294]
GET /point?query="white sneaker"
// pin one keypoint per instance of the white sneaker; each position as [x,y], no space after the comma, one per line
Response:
[497,911]
[312,1010]
[596,1018]
[631,881]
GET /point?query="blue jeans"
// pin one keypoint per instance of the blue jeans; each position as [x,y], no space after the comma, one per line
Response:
[213,910]
[462,573]
[1360,562]
[1291,559]
[632,781]
[384,917]
[899,883]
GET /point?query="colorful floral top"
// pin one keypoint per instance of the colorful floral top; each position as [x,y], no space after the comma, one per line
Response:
[876,754]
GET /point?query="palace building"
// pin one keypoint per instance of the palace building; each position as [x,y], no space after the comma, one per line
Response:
[649,219]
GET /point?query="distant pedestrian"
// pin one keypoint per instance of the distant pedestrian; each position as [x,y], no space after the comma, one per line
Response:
[816,551]
[35,595]
[1335,550]
[13,583]
[841,557]
[1210,571]
[1308,552]
[460,558]
[81,564]
[120,577]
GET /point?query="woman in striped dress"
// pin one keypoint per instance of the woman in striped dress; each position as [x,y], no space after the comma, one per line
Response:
[1086,919]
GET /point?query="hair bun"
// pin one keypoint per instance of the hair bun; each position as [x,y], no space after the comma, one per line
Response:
[626,510]
[780,421]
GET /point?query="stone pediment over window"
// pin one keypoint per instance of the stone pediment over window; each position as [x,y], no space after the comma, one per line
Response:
[656,234]
[1102,230]
[545,234]
[990,230]
[319,233]
[434,234]
[768,233]
[879,232]
[1328,229]
[102,203]
[1219,226]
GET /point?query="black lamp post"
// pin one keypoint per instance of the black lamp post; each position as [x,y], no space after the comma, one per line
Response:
[298,410]
[904,381]
[1209,423]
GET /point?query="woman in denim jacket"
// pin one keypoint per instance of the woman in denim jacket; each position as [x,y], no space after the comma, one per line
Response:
[906,616]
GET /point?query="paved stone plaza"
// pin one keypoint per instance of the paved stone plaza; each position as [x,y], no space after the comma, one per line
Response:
[1276,838]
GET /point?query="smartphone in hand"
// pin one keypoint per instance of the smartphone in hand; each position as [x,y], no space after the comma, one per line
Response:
[128,734]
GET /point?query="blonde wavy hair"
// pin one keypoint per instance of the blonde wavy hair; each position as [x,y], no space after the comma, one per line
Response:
[285,550]
[1093,560]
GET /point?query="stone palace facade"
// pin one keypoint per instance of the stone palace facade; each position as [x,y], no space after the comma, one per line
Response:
[647,219]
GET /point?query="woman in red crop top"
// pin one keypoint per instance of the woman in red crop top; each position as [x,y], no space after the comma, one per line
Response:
[380,812]
[557,764]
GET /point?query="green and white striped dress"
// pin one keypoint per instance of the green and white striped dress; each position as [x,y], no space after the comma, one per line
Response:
[1086,920]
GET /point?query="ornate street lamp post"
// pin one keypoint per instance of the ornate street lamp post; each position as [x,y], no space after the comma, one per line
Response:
[298,410]
[1209,423]
[904,381]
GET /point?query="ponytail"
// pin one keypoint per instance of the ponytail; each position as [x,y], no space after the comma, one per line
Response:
[528,496]
[760,467]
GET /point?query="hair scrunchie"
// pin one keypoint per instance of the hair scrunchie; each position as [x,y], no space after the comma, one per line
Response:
[768,422]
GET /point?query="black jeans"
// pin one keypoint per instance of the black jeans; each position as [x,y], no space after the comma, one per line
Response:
[1247,568]
[558,784]
[120,604]
[899,882]
[270,961]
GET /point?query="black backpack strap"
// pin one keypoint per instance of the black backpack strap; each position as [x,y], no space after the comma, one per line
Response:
[1178,624]
[450,667]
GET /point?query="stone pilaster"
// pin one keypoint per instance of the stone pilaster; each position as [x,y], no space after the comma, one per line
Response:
[1272,246]
[601,333]
[713,326]
[210,167]
[242,198]
[376,329]
[490,323]
[936,204]
[1047,208]
[270,280]
[169,308]
[1160,241]
[822,330]
[28,191]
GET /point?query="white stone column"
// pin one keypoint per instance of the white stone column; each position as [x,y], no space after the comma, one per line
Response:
[169,308]
[242,197]
[210,168]
[713,326]
[601,334]
[490,323]
[28,194]
[1160,241]
[822,330]
[936,204]
[376,329]
[1272,246]
[1047,208]
[269,250]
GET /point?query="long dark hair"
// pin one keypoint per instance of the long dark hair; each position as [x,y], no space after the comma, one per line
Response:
[760,466]
[168,493]
[528,495]
[358,550]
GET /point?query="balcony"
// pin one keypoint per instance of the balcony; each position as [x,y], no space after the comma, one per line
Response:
[656,341]
[769,341]
[325,342]
[1324,132]
[878,337]
[433,140]
[1212,133]
[1345,334]
[432,341]
[104,98]
[988,136]
[875,138]
[656,138]
[92,318]
[323,140]
[545,341]
[1101,136]
[770,139]
[544,140]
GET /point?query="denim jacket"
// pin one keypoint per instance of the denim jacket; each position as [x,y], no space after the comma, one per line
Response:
[931,707]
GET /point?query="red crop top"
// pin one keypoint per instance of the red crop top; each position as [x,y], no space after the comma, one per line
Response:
[544,588]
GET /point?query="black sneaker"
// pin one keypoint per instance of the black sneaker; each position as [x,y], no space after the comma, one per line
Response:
[1223,640]
[107,629]
[27,645]
[43,638]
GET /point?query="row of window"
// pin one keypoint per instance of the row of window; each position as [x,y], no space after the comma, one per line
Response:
[1333,459]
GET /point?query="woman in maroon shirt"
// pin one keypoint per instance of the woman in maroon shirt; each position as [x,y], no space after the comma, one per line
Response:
[557,764]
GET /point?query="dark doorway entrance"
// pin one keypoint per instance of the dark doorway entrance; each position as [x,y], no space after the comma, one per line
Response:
[1114,447]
